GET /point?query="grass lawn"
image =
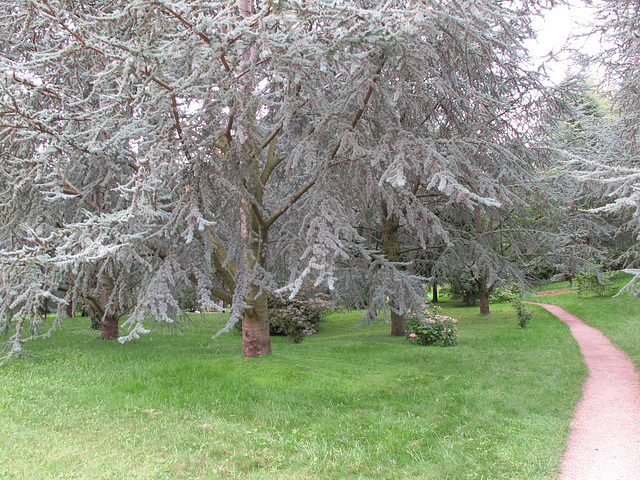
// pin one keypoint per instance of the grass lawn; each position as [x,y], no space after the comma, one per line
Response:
[617,317]
[344,404]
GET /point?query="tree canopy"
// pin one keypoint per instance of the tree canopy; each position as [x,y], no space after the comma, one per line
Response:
[238,148]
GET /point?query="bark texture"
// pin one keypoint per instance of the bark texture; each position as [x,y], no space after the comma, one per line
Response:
[391,240]
[483,295]
[109,327]
[256,341]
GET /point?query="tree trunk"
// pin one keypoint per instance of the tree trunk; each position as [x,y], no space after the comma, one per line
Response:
[483,295]
[109,327]
[256,341]
[391,241]
[398,325]
[483,290]
[435,293]
[469,299]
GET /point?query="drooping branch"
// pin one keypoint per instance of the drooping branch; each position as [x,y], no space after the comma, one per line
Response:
[428,247]
[216,292]
[359,113]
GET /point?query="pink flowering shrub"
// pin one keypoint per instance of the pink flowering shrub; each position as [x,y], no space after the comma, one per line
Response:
[433,329]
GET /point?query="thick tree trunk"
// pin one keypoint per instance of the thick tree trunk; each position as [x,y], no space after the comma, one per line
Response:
[398,325]
[256,341]
[484,302]
[391,241]
[109,327]
[483,290]
[108,321]
[483,295]
[435,293]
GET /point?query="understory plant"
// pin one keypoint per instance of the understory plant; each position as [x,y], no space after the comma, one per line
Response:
[432,328]
[464,287]
[506,294]
[297,318]
[592,282]
[524,314]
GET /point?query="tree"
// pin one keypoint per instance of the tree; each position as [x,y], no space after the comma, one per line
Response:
[463,137]
[216,144]
[603,153]
[65,154]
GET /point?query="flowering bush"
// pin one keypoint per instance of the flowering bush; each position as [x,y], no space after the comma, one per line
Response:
[507,294]
[433,329]
[297,318]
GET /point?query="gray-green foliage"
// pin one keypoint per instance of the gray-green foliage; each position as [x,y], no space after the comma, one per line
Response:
[226,147]
[604,135]
[592,282]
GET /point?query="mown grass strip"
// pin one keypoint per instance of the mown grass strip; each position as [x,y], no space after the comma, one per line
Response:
[346,403]
[617,317]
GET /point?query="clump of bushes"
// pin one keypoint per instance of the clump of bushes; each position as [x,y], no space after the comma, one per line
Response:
[586,282]
[432,328]
[506,294]
[297,318]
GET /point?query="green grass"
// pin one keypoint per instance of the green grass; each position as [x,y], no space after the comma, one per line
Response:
[344,404]
[617,317]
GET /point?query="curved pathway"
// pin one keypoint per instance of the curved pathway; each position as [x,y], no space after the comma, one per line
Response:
[604,443]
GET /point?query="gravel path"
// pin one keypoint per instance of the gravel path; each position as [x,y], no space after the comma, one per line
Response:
[604,443]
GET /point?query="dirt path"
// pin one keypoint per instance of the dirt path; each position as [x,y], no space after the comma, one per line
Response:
[553,292]
[604,443]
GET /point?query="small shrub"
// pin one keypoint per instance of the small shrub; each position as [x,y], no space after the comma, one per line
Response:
[506,294]
[297,318]
[524,314]
[432,328]
[188,299]
[584,283]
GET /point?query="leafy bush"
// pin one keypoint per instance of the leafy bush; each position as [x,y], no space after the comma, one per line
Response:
[297,318]
[524,314]
[507,294]
[432,329]
[584,283]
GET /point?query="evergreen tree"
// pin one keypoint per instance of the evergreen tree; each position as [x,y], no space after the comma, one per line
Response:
[603,146]
[219,144]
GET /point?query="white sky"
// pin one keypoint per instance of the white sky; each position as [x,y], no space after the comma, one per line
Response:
[554,31]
